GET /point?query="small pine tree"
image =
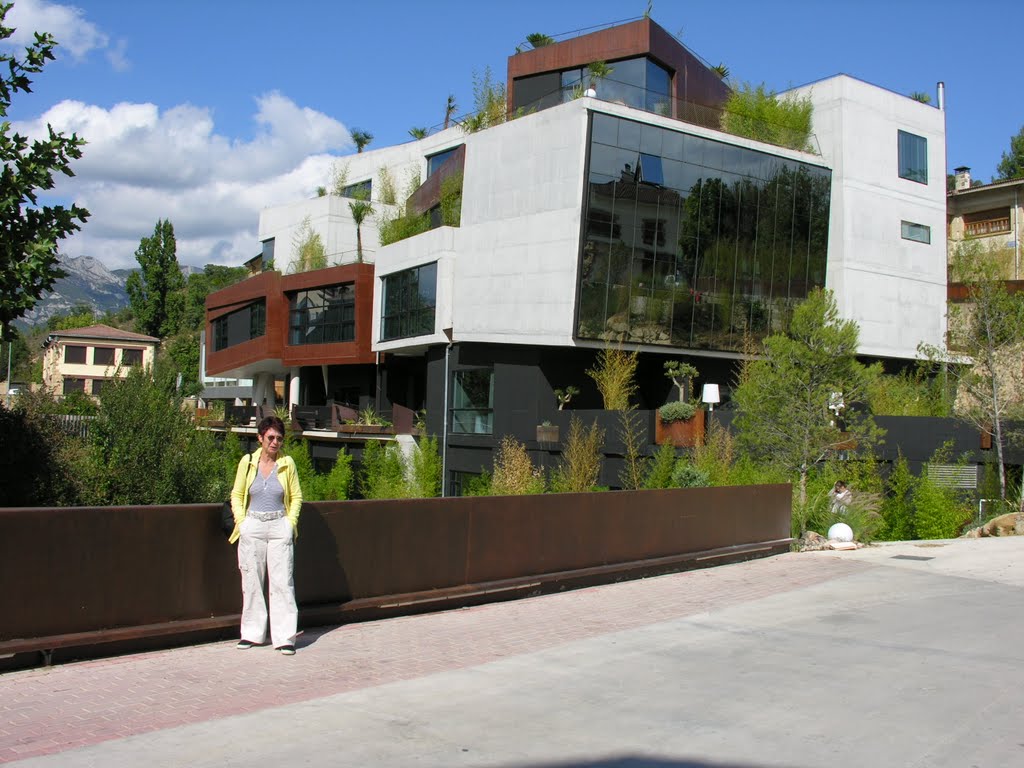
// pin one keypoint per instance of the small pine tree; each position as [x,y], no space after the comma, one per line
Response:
[659,474]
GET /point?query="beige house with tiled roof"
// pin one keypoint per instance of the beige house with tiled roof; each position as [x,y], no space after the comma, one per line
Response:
[82,359]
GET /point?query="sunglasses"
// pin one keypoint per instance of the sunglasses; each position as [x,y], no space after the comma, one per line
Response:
[273,438]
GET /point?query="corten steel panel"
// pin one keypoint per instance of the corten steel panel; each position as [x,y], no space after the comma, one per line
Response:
[274,343]
[107,570]
[81,569]
[691,81]
[428,194]
[379,548]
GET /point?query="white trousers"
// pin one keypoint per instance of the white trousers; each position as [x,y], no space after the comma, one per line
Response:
[268,547]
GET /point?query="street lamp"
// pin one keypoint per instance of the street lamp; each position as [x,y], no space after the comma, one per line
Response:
[710,395]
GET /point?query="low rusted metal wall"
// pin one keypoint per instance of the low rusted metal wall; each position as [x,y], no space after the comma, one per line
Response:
[75,577]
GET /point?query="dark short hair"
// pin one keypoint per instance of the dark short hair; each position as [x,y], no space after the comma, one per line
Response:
[270,422]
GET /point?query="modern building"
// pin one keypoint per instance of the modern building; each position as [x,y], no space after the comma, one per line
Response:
[623,217]
[84,359]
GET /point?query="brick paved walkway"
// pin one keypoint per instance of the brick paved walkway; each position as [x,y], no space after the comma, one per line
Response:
[46,711]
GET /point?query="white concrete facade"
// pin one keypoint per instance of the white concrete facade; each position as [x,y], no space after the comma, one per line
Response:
[508,273]
[330,215]
[893,288]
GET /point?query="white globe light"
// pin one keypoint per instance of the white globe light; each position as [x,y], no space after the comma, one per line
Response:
[840,532]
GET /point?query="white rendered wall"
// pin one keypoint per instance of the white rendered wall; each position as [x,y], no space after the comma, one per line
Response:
[515,278]
[435,245]
[894,289]
[330,215]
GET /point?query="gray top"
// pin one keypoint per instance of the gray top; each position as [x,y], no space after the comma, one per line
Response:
[266,493]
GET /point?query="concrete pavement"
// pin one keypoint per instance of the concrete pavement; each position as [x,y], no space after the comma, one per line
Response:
[901,655]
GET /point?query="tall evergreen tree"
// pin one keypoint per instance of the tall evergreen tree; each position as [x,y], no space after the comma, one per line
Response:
[1011,165]
[156,291]
[784,397]
[28,246]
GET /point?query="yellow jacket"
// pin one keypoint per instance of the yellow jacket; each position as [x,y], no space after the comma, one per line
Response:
[244,476]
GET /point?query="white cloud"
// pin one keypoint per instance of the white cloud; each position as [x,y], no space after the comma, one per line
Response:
[142,164]
[66,23]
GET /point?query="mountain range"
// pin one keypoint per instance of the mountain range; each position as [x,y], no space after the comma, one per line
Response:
[88,281]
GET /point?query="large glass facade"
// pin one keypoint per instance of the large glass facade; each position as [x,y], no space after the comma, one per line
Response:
[322,315]
[242,325]
[407,308]
[690,242]
[638,82]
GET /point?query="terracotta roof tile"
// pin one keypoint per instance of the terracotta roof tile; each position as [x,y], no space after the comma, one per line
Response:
[103,332]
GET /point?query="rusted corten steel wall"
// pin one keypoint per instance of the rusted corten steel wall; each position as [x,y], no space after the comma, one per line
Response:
[86,575]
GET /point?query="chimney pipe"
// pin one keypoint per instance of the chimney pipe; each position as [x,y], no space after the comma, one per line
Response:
[941,88]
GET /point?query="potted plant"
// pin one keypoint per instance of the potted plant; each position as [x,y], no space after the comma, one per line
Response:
[680,423]
[547,432]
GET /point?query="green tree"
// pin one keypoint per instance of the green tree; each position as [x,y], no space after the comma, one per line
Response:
[418,133]
[360,209]
[783,398]
[28,249]
[199,285]
[361,139]
[149,446]
[490,102]
[79,316]
[449,110]
[1011,165]
[988,326]
[20,357]
[156,290]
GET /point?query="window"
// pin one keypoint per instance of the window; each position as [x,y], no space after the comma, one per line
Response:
[918,232]
[73,385]
[434,162]
[650,170]
[913,157]
[103,356]
[361,190]
[653,232]
[74,354]
[408,305]
[322,315]
[131,357]
[473,402]
[242,325]
[987,222]
[98,385]
[268,253]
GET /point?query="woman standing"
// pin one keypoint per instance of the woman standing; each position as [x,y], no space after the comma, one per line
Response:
[266,500]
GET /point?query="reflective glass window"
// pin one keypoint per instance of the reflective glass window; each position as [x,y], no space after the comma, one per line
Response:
[913,157]
[74,353]
[407,308]
[473,402]
[917,232]
[322,315]
[678,253]
[436,161]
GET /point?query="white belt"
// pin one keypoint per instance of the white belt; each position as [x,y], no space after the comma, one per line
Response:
[266,517]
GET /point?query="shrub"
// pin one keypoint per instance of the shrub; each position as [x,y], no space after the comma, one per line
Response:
[614,373]
[678,411]
[714,459]
[660,471]
[514,473]
[758,113]
[150,447]
[391,230]
[383,473]
[686,475]
[634,463]
[580,466]
[897,507]
[939,511]
[451,200]
[425,470]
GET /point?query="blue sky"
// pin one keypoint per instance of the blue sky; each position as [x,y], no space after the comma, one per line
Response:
[206,111]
